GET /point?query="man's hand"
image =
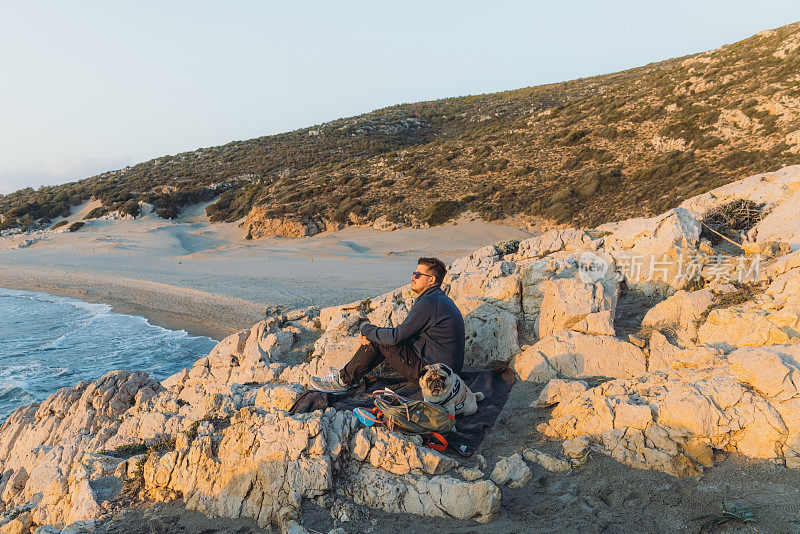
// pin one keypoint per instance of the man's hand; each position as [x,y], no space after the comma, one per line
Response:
[364,341]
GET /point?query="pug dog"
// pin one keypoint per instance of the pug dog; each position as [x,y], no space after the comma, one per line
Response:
[440,385]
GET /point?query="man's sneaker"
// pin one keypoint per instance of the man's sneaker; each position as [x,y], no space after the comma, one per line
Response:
[331,383]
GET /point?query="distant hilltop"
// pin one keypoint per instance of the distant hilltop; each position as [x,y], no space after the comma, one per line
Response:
[583,152]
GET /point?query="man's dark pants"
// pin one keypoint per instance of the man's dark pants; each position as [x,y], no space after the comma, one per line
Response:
[402,358]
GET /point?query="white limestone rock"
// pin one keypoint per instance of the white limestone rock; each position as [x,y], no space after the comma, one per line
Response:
[383,224]
[485,276]
[575,355]
[568,301]
[559,390]
[651,253]
[511,471]
[490,333]
[470,474]
[679,314]
[555,241]
[533,273]
[19,525]
[396,453]
[548,461]
[779,191]
[744,402]
[442,496]
[277,396]
[266,342]
[532,365]
[576,449]
[598,323]
[654,235]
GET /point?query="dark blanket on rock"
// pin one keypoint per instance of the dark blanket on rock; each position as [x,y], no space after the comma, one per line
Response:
[495,385]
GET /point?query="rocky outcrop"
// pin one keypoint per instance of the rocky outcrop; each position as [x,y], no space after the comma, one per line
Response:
[490,332]
[219,437]
[236,454]
[680,313]
[778,192]
[584,306]
[651,254]
[512,471]
[260,224]
[43,447]
[443,496]
[575,355]
[383,224]
[556,241]
[654,235]
[678,421]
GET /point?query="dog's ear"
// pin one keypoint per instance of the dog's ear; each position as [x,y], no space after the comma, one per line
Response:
[446,369]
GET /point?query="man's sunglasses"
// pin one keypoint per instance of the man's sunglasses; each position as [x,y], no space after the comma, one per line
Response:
[416,275]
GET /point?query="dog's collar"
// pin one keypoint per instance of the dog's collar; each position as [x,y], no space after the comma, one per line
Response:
[453,393]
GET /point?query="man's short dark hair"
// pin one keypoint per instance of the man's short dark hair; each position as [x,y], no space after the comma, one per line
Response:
[436,266]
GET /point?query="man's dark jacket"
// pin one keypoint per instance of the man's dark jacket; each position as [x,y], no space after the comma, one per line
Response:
[434,327]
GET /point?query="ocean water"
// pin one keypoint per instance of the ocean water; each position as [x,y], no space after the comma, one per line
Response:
[49,342]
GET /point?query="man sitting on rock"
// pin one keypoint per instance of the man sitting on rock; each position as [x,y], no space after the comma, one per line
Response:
[433,332]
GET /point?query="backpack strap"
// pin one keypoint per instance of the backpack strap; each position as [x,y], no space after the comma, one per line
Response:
[389,394]
[428,442]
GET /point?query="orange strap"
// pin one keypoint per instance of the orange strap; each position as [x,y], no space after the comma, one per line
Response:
[427,440]
[442,445]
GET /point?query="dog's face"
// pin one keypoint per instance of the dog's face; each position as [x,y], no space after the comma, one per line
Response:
[438,379]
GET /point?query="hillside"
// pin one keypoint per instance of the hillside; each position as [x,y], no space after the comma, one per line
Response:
[585,151]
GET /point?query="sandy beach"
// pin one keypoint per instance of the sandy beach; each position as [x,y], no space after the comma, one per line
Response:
[206,279]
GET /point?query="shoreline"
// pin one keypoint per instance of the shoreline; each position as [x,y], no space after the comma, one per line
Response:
[192,275]
[170,307]
[154,316]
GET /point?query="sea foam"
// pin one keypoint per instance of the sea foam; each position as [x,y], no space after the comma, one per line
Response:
[49,342]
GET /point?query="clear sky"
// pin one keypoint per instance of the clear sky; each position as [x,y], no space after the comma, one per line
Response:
[88,86]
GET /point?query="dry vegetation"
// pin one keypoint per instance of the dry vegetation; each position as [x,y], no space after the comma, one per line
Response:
[586,151]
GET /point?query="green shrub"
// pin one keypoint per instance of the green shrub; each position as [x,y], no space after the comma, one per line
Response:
[587,187]
[74,227]
[8,224]
[442,211]
[131,207]
[509,246]
[59,224]
[525,170]
[708,142]
[95,213]
[131,449]
[163,443]
[575,137]
[608,132]
[561,212]
[497,165]
[561,195]
[167,213]
[491,211]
